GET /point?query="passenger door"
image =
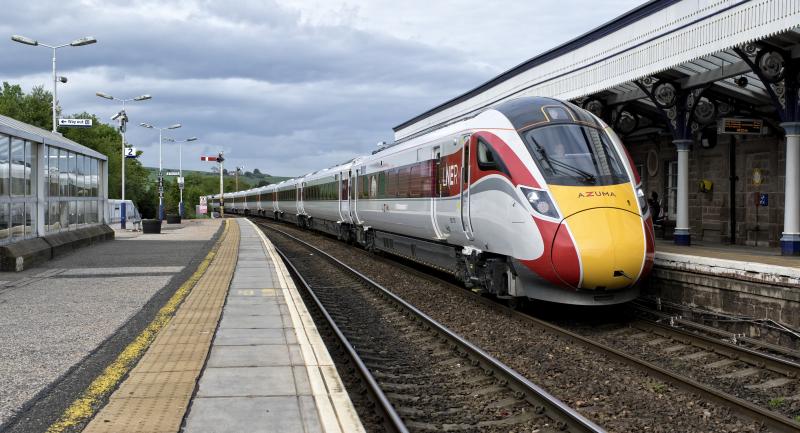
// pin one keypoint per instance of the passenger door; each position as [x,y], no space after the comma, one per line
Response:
[437,190]
[466,223]
[354,190]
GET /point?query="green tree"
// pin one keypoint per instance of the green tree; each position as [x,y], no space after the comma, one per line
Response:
[34,108]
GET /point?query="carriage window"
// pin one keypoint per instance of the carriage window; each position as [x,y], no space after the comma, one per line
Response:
[488,160]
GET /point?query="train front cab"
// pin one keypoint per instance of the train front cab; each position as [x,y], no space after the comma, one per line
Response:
[594,228]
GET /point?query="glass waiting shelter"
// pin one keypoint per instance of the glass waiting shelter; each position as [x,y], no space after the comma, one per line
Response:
[47,183]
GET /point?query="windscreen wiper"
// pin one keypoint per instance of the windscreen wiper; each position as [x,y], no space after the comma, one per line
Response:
[587,177]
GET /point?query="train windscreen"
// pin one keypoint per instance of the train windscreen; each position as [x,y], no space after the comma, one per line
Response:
[569,154]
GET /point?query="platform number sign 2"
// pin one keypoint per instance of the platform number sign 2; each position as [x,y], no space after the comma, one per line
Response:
[130,152]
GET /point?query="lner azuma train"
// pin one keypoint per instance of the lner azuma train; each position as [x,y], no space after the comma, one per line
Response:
[533,198]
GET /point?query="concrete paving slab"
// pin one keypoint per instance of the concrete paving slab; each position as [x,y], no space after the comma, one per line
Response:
[250,300]
[253,292]
[247,382]
[251,263]
[253,273]
[265,322]
[301,382]
[256,284]
[249,356]
[309,414]
[245,414]
[253,309]
[248,337]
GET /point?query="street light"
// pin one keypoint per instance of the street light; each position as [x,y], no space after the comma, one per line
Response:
[76,43]
[180,168]
[160,170]
[122,117]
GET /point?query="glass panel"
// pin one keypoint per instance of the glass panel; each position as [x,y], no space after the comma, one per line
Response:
[17,220]
[5,221]
[80,176]
[73,214]
[30,165]
[81,212]
[30,219]
[95,168]
[575,155]
[73,170]
[17,167]
[63,210]
[53,167]
[63,173]
[46,171]
[55,220]
[4,173]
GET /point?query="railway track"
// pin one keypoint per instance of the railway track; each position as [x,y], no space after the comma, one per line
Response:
[675,318]
[422,376]
[756,377]
[771,408]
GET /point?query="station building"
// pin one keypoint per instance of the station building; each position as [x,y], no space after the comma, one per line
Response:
[53,194]
[704,93]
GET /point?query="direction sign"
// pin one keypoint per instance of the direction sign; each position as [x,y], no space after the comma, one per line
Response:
[75,123]
[130,152]
[172,173]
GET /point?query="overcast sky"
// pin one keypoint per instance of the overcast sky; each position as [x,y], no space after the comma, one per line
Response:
[286,87]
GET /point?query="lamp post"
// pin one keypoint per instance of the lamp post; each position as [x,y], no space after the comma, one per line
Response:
[160,169]
[122,117]
[76,43]
[180,168]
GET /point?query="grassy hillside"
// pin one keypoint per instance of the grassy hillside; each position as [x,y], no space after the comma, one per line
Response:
[244,181]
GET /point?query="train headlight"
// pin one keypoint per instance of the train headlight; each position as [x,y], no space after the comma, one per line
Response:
[640,197]
[540,202]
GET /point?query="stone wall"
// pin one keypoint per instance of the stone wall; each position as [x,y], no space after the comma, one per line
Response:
[709,212]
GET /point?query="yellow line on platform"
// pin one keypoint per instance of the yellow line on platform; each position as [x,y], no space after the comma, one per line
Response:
[86,405]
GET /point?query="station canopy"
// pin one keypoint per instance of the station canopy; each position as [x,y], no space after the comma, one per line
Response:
[729,58]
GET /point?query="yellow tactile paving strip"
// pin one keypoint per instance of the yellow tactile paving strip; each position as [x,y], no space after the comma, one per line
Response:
[156,394]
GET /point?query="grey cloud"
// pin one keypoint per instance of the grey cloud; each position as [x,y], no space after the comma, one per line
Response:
[250,76]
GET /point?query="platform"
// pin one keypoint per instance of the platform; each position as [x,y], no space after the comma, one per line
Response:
[241,354]
[749,282]
[62,323]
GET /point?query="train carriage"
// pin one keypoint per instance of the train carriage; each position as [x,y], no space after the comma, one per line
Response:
[533,198]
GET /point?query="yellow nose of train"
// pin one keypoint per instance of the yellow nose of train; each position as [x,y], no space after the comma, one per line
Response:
[608,232]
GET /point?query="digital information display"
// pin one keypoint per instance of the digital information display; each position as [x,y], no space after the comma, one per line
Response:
[741,126]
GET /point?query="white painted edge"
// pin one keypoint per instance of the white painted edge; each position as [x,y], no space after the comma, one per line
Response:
[726,267]
[335,409]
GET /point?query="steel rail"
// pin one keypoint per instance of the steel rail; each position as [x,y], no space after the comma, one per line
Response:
[719,332]
[390,416]
[775,422]
[545,403]
[750,356]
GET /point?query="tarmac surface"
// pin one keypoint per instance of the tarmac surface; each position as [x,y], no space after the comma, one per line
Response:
[61,323]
